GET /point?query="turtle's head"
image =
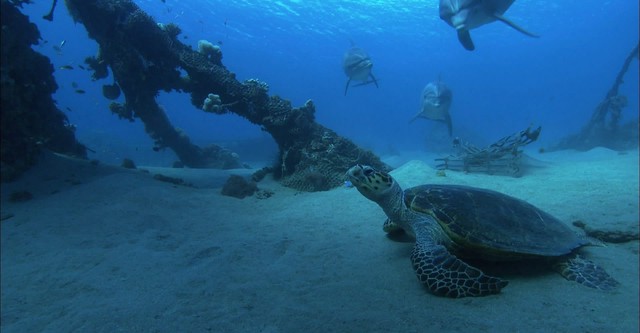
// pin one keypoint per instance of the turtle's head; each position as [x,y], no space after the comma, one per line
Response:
[373,184]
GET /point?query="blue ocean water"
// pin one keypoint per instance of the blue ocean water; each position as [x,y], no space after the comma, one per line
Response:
[508,83]
[122,252]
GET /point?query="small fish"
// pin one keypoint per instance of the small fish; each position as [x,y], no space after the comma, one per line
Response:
[66,67]
[69,109]
[81,67]
[58,48]
[74,85]
[80,91]
[220,43]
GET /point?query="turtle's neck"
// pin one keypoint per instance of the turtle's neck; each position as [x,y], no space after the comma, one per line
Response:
[393,205]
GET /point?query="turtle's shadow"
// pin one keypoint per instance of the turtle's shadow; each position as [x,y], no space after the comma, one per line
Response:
[506,269]
[400,236]
[525,268]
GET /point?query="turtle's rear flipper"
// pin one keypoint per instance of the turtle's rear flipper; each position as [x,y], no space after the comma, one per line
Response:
[586,273]
[446,275]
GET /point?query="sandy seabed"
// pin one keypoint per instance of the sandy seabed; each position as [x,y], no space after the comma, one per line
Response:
[106,249]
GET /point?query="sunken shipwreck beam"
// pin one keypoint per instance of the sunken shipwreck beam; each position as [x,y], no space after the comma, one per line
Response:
[140,57]
[147,57]
[597,132]
[30,121]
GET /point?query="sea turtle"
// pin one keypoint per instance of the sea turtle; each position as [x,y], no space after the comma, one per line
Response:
[451,220]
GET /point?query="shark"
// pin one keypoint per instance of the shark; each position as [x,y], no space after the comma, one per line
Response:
[465,15]
[436,101]
[357,66]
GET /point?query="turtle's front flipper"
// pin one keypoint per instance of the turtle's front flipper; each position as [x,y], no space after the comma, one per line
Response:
[586,273]
[390,226]
[446,275]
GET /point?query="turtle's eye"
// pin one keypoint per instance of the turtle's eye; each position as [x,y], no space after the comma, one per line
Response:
[368,172]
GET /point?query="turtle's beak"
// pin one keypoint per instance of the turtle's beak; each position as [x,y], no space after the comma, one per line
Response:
[357,175]
[354,173]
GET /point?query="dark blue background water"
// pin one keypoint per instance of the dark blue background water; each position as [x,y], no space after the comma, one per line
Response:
[508,83]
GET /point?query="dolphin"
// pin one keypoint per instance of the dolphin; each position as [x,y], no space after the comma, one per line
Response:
[357,66]
[436,100]
[465,15]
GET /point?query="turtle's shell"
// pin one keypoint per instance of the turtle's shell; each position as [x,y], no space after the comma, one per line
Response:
[492,224]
